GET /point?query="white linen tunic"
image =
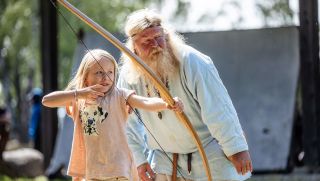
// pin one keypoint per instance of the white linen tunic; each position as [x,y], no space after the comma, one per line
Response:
[210,111]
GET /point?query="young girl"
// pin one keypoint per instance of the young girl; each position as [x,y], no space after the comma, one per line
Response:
[99,110]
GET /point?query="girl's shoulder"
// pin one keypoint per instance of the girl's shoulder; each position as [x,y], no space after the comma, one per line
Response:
[123,92]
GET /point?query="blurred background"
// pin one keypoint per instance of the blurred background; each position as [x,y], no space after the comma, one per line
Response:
[267,54]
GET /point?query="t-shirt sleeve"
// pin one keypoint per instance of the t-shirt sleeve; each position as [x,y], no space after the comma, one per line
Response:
[70,109]
[126,93]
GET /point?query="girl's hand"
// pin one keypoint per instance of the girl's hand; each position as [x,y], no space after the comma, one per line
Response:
[178,105]
[91,93]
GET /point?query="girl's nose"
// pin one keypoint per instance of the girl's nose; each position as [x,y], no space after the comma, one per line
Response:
[106,77]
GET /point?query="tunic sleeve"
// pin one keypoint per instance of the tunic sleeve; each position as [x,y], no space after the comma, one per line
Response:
[217,110]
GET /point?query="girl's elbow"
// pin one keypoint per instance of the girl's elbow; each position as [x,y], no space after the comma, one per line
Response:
[45,102]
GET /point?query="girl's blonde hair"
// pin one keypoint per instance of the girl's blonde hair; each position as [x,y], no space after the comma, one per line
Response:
[90,58]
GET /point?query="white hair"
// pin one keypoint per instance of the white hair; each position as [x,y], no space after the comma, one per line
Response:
[136,23]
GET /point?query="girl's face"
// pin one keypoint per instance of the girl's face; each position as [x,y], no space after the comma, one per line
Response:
[103,76]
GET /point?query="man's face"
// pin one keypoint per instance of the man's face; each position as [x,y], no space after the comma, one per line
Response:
[149,43]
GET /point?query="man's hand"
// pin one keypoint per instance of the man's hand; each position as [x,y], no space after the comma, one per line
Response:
[145,172]
[242,162]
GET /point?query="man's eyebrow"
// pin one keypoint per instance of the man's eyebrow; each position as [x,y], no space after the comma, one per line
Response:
[154,34]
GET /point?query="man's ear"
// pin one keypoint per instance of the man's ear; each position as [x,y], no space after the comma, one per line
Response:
[135,51]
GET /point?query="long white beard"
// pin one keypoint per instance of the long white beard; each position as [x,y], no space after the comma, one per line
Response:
[163,64]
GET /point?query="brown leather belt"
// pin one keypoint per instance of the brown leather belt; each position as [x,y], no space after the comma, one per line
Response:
[175,165]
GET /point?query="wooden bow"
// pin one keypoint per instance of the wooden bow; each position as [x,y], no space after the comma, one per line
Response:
[158,84]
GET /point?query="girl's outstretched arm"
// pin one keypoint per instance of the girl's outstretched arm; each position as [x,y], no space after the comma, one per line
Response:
[154,103]
[59,98]
[63,98]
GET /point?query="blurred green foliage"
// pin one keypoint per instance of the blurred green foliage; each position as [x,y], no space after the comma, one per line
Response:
[278,10]
[19,60]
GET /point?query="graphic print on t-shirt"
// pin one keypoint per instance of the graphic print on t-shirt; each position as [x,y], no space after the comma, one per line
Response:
[90,116]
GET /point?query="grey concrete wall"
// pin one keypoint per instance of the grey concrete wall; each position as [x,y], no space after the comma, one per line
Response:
[260,70]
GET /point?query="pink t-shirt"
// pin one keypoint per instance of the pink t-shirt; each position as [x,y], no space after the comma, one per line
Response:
[100,149]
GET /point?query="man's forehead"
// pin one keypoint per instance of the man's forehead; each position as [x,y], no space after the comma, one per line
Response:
[149,32]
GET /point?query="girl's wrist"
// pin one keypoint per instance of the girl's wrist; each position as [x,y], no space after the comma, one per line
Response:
[168,106]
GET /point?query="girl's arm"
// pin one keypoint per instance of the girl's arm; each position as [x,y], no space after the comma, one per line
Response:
[63,98]
[154,103]
[59,98]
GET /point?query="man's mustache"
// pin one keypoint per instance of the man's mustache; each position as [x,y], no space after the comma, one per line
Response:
[156,50]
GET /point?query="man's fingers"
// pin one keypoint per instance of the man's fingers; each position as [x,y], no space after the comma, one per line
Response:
[236,164]
[151,173]
[243,169]
[249,165]
[238,168]
[246,167]
[143,175]
[145,172]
